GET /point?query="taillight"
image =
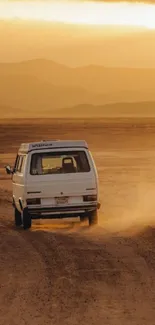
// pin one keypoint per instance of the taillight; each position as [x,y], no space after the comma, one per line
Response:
[33,201]
[88,198]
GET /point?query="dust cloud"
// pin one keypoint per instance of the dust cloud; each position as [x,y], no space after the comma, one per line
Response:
[133,219]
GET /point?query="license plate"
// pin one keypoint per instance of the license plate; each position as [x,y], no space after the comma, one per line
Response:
[61,200]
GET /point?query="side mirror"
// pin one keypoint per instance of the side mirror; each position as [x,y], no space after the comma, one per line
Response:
[8,170]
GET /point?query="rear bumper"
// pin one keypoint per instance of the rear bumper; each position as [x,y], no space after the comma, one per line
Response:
[61,212]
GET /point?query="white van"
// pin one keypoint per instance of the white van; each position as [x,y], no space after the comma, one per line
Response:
[54,179]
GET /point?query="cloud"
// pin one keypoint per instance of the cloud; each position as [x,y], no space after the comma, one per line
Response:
[131,1]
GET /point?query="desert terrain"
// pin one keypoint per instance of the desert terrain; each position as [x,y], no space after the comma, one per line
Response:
[63,273]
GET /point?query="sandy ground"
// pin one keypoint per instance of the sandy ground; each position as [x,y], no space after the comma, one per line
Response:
[64,273]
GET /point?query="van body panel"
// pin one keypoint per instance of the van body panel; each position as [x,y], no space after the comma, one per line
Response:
[54,194]
[19,181]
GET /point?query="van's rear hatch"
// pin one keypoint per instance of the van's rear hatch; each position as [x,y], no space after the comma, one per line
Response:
[61,177]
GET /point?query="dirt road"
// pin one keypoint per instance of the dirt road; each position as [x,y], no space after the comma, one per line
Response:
[55,275]
[63,273]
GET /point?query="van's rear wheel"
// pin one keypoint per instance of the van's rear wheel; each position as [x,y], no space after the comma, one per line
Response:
[18,218]
[83,218]
[26,219]
[93,218]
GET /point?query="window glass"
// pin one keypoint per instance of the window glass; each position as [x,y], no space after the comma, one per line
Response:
[59,163]
[19,164]
[16,163]
[23,164]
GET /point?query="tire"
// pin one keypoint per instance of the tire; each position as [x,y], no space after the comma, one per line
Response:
[93,218]
[83,218]
[18,218]
[26,219]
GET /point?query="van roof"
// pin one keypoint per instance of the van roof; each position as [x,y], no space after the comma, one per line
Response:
[27,147]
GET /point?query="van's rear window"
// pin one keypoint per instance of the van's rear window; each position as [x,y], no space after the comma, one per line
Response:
[59,163]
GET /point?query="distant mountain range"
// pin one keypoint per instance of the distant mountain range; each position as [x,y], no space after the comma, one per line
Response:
[139,110]
[39,87]
[78,45]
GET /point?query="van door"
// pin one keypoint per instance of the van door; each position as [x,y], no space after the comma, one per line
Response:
[18,179]
[58,174]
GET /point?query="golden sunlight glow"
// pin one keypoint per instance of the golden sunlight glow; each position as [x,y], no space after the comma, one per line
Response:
[124,14]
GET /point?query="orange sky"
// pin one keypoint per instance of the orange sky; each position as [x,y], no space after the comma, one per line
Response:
[128,39]
[77,45]
[77,12]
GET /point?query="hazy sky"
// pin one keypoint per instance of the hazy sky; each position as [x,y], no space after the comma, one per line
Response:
[77,33]
[77,12]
